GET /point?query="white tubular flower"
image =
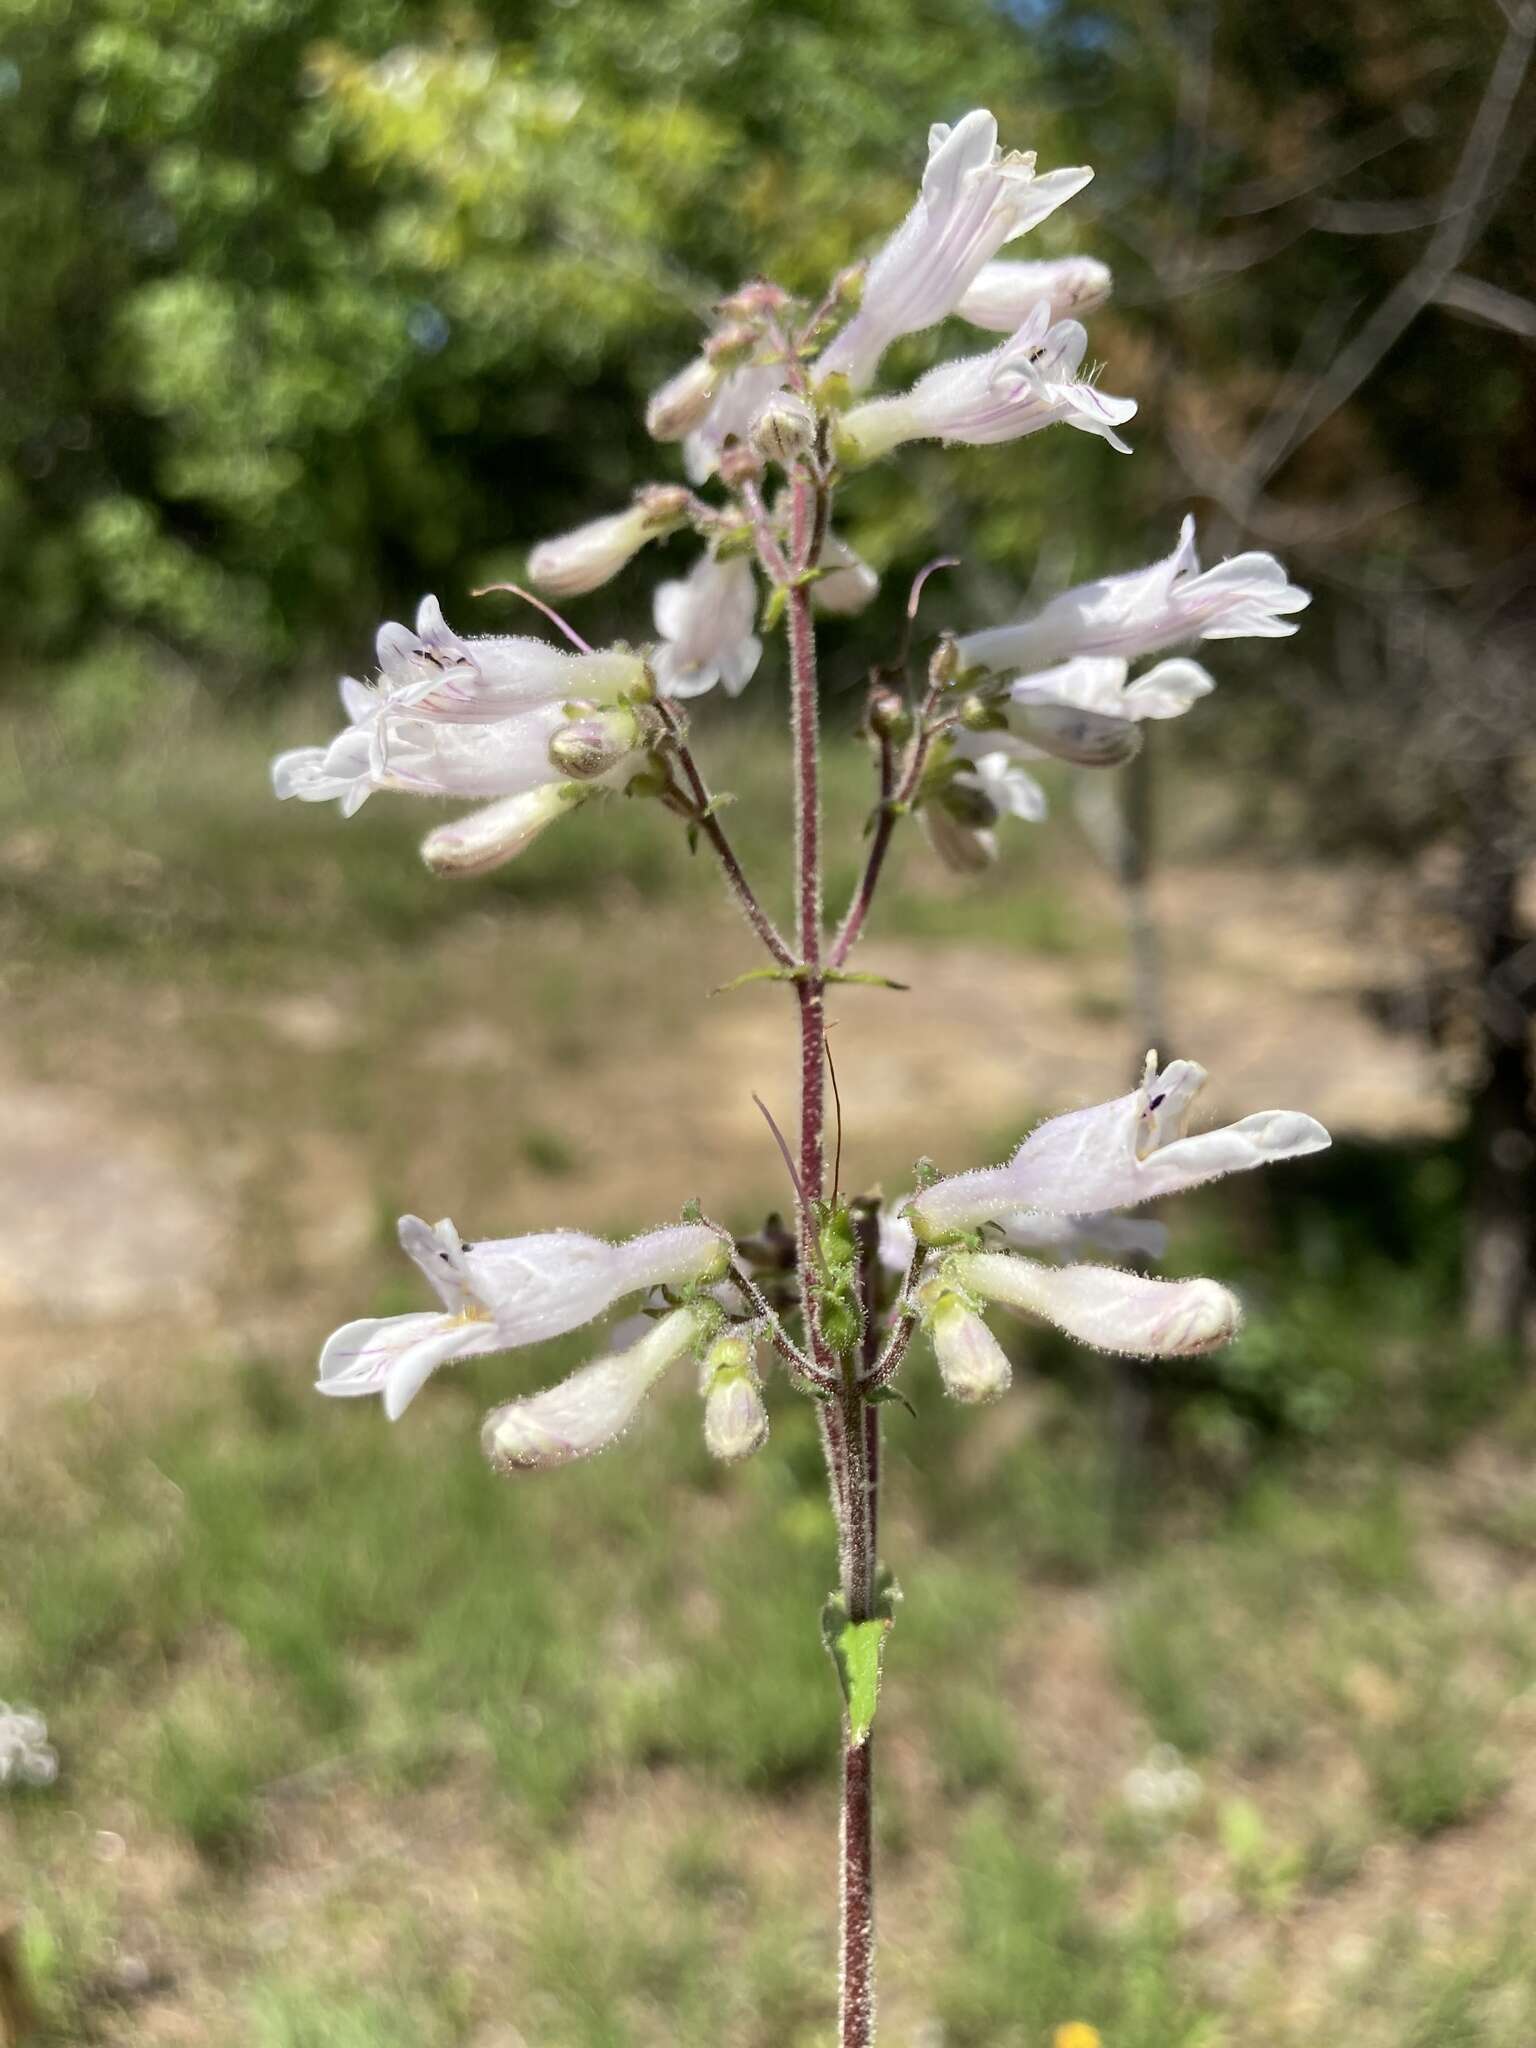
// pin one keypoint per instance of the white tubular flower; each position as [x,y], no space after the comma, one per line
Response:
[1005,294]
[849,584]
[1086,712]
[502,757]
[1165,605]
[1126,1236]
[502,1293]
[974,199]
[1123,1235]
[972,1364]
[705,622]
[1105,1307]
[735,1419]
[593,1408]
[1114,1156]
[995,772]
[736,405]
[1028,382]
[683,402]
[435,673]
[573,563]
[496,833]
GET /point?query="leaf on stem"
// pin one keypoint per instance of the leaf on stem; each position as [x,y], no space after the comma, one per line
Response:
[857,1650]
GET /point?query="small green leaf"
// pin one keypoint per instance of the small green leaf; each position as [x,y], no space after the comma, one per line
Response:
[753,974]
[857,1649]
[773,610]
[880,1395]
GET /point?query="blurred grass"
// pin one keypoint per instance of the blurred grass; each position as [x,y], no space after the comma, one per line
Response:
[258,1616]
[138,829]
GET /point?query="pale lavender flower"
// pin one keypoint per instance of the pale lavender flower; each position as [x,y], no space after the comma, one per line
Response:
[995,772]
[1085,711]
[1028,382]
[705,621]
[1114,1156]
[502,1293]
[1003,295]
[593,1407]
[1165,605]
[975,198]
[848,584]
[436,673]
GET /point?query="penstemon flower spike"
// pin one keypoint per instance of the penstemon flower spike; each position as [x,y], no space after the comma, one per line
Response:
[535,732]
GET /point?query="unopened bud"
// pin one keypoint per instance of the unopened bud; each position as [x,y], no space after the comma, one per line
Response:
[599,740]
[589,555]
[972,1364]
[889,716]
[982,714]
[682,403]
[784,430]
[497,832]
[735,1418]
[729,347]
[944,665]
[753,299]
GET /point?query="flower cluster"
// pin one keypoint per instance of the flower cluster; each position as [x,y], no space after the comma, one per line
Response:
[975,1234]
[778,405]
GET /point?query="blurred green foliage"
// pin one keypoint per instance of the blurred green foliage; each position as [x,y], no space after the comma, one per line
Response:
[311,303]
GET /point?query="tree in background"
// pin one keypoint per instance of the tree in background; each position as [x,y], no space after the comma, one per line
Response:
[307,301]
[1325,252]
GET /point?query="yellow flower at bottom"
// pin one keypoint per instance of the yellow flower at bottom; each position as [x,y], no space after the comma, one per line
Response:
[1077,2034]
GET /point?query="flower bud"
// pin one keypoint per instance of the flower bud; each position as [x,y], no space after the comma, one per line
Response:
[599,740]
[889,716]
[981,714]
[784,430]
[735,1419]
[972,1364]
[498,832]
[729,347]
[589,1410]
[575,562]
[753,299]
[944,666]
[683,402]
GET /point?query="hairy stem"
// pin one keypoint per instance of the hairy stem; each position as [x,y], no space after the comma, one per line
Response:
[702,815]
[844,1427]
